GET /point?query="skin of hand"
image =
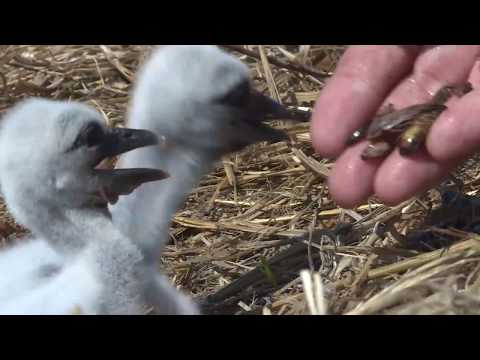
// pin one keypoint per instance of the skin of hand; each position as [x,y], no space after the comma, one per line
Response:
[369,77]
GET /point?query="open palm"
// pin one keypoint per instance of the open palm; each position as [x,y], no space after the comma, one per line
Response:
[368,77]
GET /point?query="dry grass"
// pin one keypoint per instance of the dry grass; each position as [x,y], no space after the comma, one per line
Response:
[247,210]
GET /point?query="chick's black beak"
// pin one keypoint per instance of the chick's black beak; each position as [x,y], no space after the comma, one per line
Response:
[122,140]
[109,184]
[264,108]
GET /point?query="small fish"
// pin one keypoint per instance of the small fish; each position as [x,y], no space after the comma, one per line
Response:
[360,133]
[446,92]
[399,120]
[412,124]
[392,123]
[376,149]
[356,136]
[415,135]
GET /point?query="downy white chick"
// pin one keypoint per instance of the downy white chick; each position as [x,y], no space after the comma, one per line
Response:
[201,100]
[49,151]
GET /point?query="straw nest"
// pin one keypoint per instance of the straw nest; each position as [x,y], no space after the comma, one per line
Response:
[255,203]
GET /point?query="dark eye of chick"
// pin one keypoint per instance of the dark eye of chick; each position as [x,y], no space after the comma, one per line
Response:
[238,96]
[94,135]
[91,135]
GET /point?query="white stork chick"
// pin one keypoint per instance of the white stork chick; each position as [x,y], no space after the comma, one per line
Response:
[201,100]
[77,260]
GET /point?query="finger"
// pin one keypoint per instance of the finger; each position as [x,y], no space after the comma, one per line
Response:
[351,180]
[364,76]
[435,67]
[456,133]
[474,76]
[399,178]
[433,70]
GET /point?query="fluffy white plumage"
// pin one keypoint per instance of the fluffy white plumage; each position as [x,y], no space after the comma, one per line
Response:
[200,99]
[84,264]
[26,266]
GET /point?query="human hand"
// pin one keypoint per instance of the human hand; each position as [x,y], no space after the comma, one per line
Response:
[368,78]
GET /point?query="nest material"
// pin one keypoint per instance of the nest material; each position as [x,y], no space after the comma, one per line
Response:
[246,211]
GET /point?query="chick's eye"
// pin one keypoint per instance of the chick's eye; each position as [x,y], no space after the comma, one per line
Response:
[90,136]
[238,96]
[93,135]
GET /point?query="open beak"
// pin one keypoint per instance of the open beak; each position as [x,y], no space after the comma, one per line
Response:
[122,140]
[109,184]
[117,182]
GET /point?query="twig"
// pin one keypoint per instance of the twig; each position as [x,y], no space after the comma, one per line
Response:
[126,74]
[422,259]
[4,83]
[290,66]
